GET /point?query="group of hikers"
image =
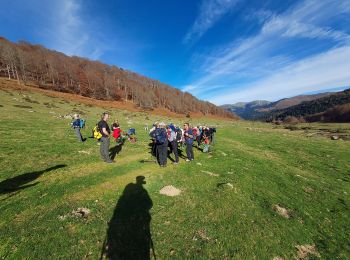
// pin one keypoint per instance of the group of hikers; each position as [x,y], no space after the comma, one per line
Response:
[165,139]
[171,136]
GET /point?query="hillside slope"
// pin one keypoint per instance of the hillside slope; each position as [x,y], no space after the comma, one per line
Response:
[334,108]
[262,109]
[226,209]
[247,110]
[55,71]
[10,84]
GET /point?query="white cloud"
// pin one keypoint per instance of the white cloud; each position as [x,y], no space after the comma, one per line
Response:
[210,12]
[70,33]
[330,69]
[257,58]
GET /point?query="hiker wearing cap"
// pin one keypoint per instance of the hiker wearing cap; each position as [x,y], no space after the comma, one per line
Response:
[188,134]
[76,126]
[105,141]
[161,142]
[172,138]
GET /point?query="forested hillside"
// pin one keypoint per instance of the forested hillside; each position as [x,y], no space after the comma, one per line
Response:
[332,108]
[263,109]
[53,70]
[248,110]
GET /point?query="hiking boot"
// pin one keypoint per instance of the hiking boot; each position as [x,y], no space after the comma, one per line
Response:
[110,161]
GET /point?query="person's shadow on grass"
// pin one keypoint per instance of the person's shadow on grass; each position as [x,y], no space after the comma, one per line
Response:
[115,150]
[22,181]
[128,234]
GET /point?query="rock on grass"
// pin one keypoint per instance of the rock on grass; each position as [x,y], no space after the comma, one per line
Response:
[281,211]
[305,250]
[308,189]
[202,235]
[211,173]
[170,191]
[81,212]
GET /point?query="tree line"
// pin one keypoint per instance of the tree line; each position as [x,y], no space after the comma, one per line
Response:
[49,69]
[333,108]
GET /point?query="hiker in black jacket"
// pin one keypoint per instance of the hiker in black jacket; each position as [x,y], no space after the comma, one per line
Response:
[105,139]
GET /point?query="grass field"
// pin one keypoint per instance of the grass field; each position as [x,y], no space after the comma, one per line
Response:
[226,210]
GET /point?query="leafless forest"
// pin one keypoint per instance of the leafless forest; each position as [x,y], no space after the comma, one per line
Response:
[48,69]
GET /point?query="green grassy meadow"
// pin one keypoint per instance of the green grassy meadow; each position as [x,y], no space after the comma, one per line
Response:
[225,209]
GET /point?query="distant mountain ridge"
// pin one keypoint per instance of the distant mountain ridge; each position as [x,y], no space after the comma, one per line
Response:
[331,108]
[261,108]
[247,110]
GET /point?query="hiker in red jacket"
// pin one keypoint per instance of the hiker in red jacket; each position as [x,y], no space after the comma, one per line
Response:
[117,132]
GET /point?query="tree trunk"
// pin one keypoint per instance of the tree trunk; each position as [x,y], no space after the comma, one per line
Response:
[17,76]
[8,71]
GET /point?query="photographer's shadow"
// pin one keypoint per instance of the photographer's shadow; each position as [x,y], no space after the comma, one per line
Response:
[128,235]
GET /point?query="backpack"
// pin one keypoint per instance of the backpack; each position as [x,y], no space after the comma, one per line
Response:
[76,123]
[132,131]
[96,132]
[161,136]
[194,131]
[82,123]
[178,134]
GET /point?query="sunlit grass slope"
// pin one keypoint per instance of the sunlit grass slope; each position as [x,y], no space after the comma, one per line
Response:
[225,209]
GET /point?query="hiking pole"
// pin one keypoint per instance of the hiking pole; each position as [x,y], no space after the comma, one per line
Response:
[152,246]
[103,247]
[69,130]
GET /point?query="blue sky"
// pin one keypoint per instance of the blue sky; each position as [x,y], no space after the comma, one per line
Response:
[223,51]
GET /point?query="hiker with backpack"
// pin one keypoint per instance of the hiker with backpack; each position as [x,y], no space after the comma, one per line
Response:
[212,134]
[188,134]
[173,141]
[161,142]
[77,124]
[195,132]
[200,135]
[132,135]
[117,133]
[206,139]
[103,128]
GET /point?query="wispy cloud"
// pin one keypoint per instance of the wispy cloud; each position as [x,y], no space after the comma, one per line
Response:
[71,33]
[330,69]
[274,50]
[210,12]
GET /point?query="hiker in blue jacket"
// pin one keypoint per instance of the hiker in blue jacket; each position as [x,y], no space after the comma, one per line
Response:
[76,126]
[161,141]
[188,133]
